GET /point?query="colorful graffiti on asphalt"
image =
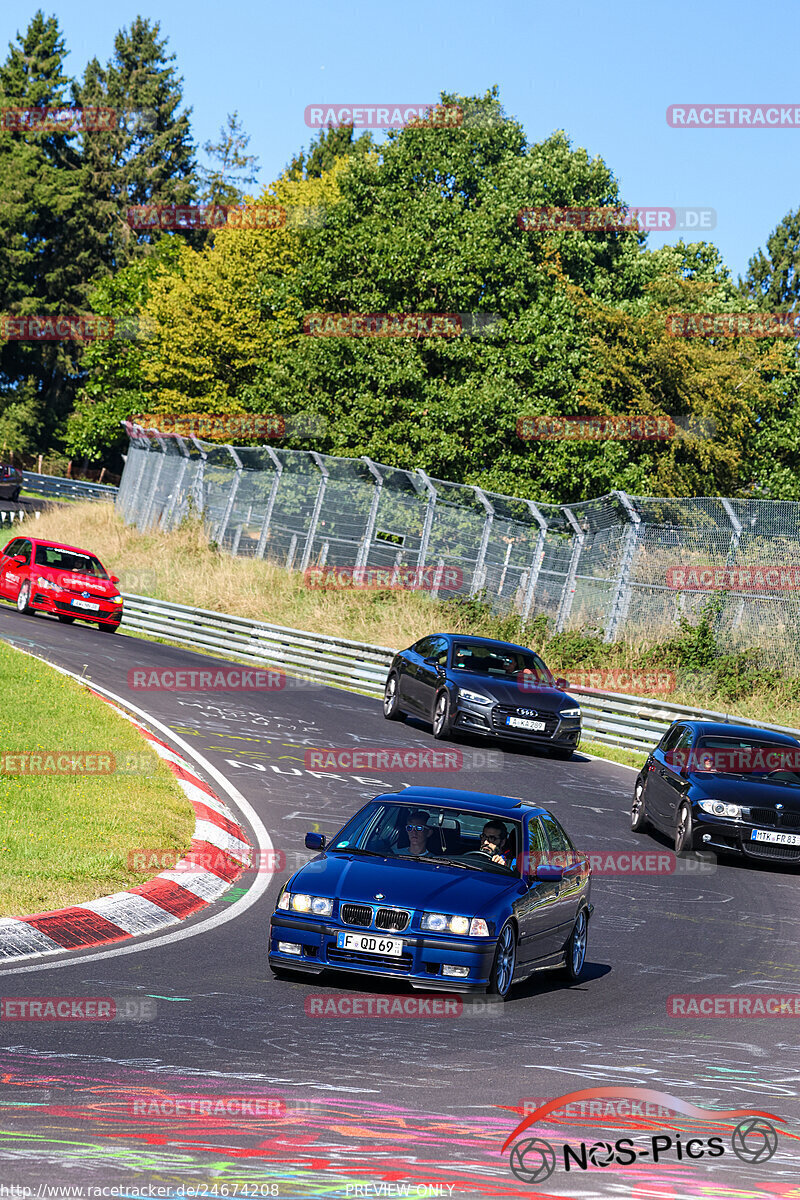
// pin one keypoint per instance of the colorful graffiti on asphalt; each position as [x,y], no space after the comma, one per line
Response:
[65,1119]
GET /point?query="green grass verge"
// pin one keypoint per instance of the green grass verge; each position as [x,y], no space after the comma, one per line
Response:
[630,758]
[65,839]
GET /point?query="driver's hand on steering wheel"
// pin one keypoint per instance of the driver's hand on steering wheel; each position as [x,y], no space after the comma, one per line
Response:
[499,858]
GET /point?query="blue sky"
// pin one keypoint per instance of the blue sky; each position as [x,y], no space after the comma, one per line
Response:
[604,73]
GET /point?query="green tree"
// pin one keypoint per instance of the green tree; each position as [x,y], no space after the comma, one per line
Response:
[223,185]
[773,279]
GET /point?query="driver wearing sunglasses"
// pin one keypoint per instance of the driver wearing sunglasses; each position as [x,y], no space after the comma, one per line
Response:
[418,831]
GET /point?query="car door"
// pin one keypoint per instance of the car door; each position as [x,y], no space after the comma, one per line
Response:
[573,883]
[536,909]
[663,776]
[429,677]
[6,564]
[16,574]
[409,684]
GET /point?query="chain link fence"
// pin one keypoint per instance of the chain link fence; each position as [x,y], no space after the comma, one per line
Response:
[607,564]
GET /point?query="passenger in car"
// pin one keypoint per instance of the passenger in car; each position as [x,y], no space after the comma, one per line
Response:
[418,831]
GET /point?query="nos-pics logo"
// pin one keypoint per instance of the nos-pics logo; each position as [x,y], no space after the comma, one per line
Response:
[754,1139]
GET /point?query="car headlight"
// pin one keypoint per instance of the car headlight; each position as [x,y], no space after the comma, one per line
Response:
[47,583]
[320,906]
[570,712]
[116,599]
[448,922]
[473,697]
[717,808]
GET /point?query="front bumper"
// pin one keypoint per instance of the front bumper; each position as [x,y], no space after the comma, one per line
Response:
[424,954]
[61,604]
[489,721]
[735,837]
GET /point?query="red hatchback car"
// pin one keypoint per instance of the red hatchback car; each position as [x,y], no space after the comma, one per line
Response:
[63,580]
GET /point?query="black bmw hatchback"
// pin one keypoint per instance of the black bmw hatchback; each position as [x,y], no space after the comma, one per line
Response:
[729,788]
[478,685]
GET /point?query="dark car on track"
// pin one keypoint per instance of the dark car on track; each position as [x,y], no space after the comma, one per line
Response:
[482,686]
[70,583]
[728,788]
[10,482]
[450,890]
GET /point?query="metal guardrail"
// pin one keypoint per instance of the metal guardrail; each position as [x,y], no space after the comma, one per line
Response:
[611,718]
[70,489]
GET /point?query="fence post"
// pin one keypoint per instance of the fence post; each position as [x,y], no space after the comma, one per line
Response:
[312,529]
[145,525]
[621,599]
[479,573]
[273,491]
[536,563]
[568,593]
[427,524]
[169,509]
[363,551]
[731,559]
[199,479]
[219,536]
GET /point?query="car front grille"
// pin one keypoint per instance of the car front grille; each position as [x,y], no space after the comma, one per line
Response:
[354,959]
[768,816]
[364,916]
[356,914]
[500,712]
[392,918]
[769,850]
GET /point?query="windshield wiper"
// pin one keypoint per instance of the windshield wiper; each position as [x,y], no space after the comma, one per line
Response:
[360,850]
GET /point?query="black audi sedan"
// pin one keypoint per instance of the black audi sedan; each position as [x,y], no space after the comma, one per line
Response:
[728,788]
[482,686]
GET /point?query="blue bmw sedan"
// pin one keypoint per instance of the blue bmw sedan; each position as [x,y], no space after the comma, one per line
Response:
[450,890]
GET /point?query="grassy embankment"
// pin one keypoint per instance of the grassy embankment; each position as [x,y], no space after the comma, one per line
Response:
[65,839]
[181,566]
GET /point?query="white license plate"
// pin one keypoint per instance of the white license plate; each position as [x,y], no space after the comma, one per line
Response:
[768,835]
[85,604]
[522,723]
[367,943]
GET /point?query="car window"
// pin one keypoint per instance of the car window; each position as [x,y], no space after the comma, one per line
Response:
[70,560]
[438,651]
[499,661]
[11,548]
[558,839]
[423,646]
[24,551]
[670,739]
[538,848]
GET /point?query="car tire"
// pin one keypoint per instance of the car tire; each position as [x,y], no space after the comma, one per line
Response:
[15,495]
[109,628]
[684,829]
[23,598]
[505,962]
[391,703]
[65,620]
[638,812]
[442,721]
[575,949]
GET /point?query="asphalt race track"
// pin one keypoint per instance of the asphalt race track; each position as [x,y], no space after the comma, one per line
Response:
[422,1100]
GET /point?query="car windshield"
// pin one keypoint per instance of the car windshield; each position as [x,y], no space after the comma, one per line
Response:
[69,560]
[751,758]
[499,662]
[467,838]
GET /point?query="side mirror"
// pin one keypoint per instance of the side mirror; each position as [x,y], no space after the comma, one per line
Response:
[433,662]
[562,683]
[546,872]
[114,579]
[315,841]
